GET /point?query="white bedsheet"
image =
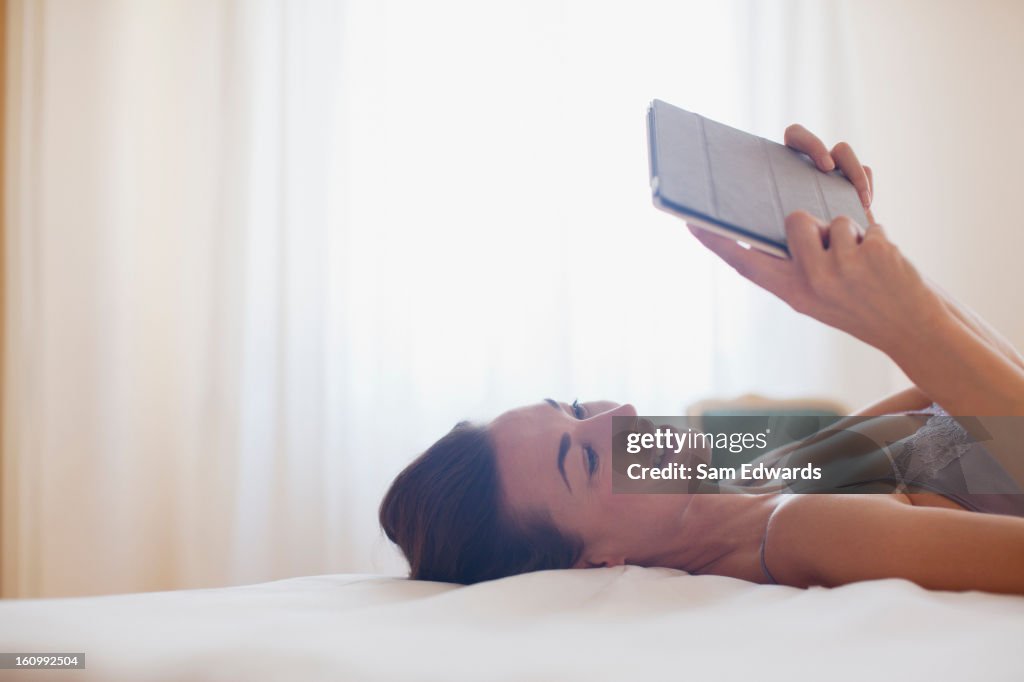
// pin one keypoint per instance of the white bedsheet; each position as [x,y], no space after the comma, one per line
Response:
[602,624]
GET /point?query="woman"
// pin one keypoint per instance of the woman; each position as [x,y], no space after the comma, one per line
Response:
[532,490]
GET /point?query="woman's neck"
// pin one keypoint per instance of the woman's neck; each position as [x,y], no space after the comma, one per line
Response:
[719,534]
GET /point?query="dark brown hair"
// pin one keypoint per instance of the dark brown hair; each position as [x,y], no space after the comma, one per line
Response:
[446,511]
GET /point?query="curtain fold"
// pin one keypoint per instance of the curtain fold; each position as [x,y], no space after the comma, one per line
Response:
[260,254]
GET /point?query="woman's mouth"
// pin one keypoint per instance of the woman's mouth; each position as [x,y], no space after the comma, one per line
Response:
[676,450]
[663,456]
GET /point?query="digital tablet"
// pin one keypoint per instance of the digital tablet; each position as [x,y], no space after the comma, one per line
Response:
[736,184]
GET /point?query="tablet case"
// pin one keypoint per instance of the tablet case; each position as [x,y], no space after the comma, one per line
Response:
[738,184]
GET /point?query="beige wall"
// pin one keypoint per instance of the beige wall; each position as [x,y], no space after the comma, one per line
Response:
[943,128]
[3,255]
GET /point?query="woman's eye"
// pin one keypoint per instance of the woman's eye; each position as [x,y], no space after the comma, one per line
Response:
[592,460]
[578,410]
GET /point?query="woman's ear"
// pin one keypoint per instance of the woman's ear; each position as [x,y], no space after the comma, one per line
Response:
[603,561]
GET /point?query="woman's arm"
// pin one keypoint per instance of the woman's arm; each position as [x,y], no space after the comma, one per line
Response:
[980,327]
[851,283]
[862,177]
[838,539]
[912,398]
[860,282]
[960,370]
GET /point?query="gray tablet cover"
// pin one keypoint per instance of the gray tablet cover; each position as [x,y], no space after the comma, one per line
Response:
[740,183]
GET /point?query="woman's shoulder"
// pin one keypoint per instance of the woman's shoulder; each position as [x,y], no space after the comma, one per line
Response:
[806,529]
[833,540]
[823,506]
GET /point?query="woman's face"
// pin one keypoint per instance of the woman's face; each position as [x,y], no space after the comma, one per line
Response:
[554,459]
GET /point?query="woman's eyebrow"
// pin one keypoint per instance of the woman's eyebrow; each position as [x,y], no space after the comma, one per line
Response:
[563,450]
[563,446]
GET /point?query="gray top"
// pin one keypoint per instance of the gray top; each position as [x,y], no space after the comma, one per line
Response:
[939,457]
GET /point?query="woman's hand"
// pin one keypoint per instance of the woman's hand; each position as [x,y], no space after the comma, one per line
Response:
[837,273]
[861,285]
[842,156]
[859,282]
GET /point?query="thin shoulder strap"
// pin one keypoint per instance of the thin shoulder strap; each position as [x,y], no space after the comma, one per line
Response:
[764,541]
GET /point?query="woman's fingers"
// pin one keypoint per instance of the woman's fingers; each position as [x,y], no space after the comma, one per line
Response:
[804,236]
[844,235]
[842,156]
[877,232]
[847,161]
[803,140]
[871,186]
[761,268]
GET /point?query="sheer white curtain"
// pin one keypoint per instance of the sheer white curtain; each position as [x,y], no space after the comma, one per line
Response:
[260,254]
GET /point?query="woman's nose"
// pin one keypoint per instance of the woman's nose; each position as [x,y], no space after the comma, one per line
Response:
[625,410]
[603,427]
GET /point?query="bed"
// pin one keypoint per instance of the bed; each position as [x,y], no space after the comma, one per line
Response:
[602,624]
